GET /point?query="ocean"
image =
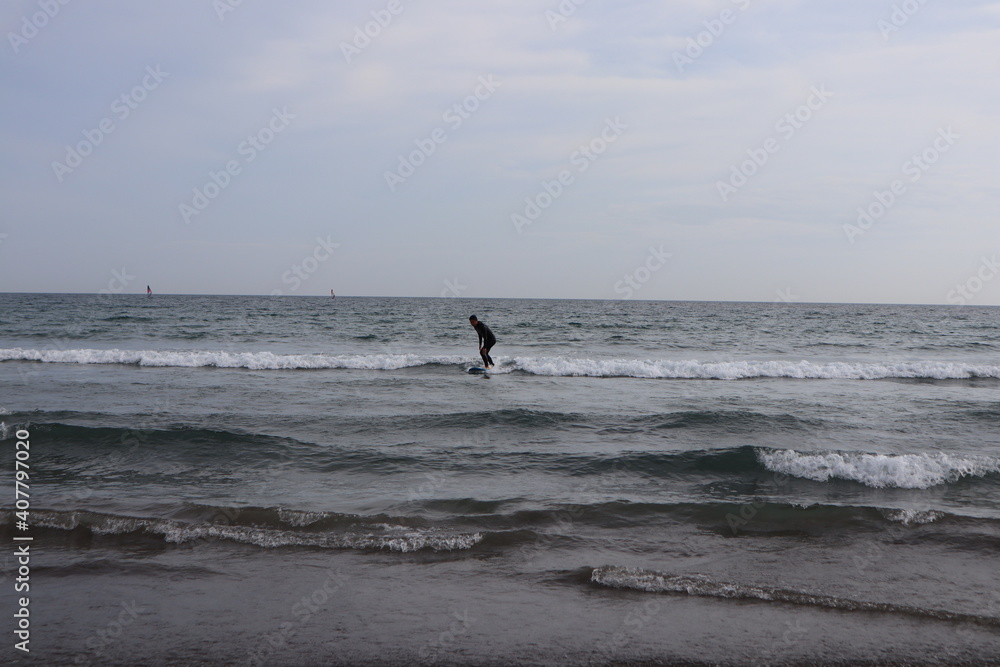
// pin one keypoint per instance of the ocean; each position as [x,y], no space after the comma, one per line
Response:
[234,480]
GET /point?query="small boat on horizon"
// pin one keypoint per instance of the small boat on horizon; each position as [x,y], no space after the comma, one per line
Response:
[149,291]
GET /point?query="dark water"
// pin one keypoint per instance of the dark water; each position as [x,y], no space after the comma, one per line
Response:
[305,481]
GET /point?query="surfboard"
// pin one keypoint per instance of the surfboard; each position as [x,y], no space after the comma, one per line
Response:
[476,370]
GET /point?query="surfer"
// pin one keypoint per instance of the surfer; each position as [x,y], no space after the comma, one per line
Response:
[486,340]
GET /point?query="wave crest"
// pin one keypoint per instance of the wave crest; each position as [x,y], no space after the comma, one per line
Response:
[700,585]
[387,537]
[224,359]
[901,471]
[545,366]
[742,370]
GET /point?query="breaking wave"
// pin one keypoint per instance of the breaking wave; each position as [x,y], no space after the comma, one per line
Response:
[700,585]
[224,359]
[359,535]
[900,471]
[545,366]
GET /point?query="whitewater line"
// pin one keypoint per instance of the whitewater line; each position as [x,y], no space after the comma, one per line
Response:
[545,366]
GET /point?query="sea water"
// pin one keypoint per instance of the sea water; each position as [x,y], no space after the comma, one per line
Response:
[317,481]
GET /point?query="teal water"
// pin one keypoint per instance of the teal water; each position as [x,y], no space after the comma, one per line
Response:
[636,481]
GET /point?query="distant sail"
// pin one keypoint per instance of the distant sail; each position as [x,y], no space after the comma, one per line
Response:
[149,292]
[332,295]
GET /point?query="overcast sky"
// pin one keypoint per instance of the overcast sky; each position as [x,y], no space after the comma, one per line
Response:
[709,149]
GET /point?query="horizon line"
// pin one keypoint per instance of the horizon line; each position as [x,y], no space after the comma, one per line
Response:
[510,298]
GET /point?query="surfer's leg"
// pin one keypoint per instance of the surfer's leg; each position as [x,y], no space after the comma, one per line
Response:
[486,356]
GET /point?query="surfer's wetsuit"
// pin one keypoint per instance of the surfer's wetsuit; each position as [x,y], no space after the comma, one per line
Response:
[486,341]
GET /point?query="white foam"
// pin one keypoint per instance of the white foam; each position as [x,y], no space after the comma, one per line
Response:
[700,585]
[657,582]
[548,366]
[403,540]
[902,471]
[387,537]
[911,517]
[223,359]
[739,370]
[62,520]
[300,519]
[414,541]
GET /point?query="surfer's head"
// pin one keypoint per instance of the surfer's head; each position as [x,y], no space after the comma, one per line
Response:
[473,320]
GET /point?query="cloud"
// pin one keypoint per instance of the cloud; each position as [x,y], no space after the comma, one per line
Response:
[359,110]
